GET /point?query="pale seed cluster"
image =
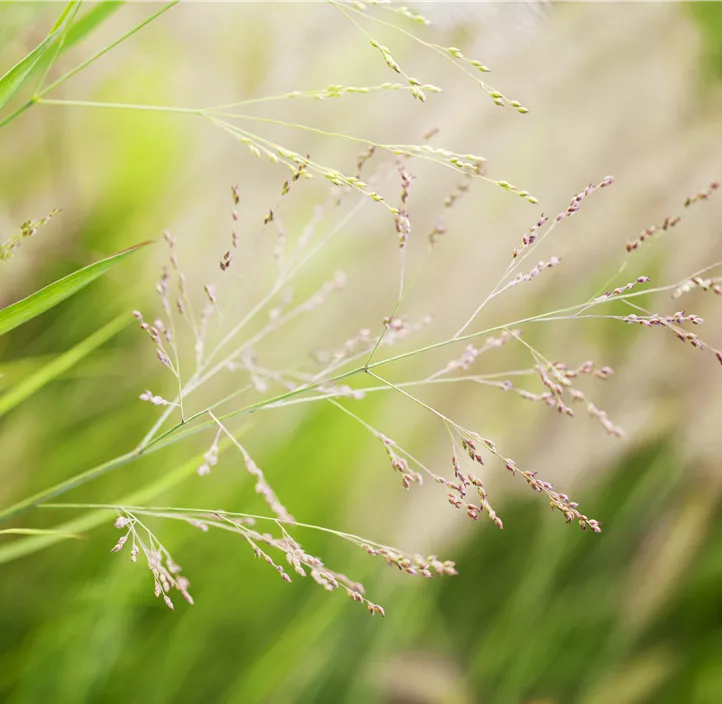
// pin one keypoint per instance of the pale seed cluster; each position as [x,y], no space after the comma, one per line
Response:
[403,225]
[557,501]
[471,353]
[400,464]
[652,320]
[401,10]
[338,91]
[157,333]
[363,158]
[459,191]
[576,202]
[558,380]
[428,567]
[363,343]
[670,221]
[166,573]
[415,87]
[698,283]
[210,457]
[532,273]
[530,236]
[623,289]
[466,482]
[671,322]
[499,98]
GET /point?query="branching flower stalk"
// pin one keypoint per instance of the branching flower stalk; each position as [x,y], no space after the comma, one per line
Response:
[154,442]
[351,372]
[166,572]
[177,432]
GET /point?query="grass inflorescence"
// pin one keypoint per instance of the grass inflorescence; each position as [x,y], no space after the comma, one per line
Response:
[199,336]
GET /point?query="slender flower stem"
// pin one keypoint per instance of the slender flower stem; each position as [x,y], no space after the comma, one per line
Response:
[213,114]
[380,436]
[119,106]
[514,264]
[421,403]
[296,95]
[402,297]
[168,511]
[555,315]
[180,431]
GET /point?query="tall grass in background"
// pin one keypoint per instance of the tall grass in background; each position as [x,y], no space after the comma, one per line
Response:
[208,346]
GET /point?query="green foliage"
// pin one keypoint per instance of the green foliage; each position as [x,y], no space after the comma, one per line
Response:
[38,531]
[11,82]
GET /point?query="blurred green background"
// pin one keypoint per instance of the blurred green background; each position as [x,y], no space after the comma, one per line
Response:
[540,612]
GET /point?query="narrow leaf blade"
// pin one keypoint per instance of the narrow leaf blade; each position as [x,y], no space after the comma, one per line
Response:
[28,308]
[70,9]
[39,531]
[93,18]
[17,75]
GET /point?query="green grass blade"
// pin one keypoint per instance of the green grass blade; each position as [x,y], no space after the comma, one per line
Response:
[60,364]
[44,299]
[70,9]
[93,18]
[39,531]
[63,25]
[16,76]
